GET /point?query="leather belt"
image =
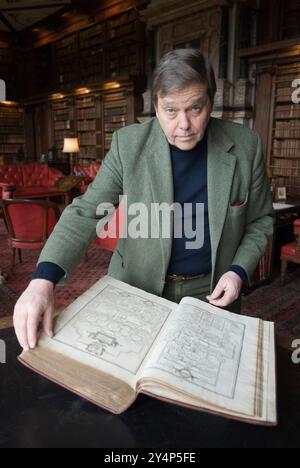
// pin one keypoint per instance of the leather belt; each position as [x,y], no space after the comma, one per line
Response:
[183,277]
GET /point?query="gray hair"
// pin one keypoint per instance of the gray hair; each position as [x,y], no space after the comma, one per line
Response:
[179,69]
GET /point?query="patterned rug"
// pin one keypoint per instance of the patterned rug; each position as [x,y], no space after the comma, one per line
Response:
[279,304]
[8,298]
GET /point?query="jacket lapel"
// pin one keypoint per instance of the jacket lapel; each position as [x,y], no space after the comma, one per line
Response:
[158,158]
[220,167]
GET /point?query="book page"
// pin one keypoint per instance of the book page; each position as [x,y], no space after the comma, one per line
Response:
[111,327]
[209,354]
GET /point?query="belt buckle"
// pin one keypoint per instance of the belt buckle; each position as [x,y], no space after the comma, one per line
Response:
[176,277]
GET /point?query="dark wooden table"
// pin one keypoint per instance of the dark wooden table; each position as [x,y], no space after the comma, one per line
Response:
[37,413]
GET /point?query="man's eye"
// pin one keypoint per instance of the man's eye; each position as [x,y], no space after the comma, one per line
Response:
[171,111]
[196,109]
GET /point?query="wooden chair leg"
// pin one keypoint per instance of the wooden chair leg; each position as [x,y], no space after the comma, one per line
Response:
[20,255]
[284,266]
[13,260]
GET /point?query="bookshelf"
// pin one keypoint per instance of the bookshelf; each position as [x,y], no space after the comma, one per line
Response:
[285,142]
[67,59]
[12,138]
[63,123]
[91,52]
[115,114]
[88,117]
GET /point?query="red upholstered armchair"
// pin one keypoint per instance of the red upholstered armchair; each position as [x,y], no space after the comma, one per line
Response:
[29,224]
[290,252]
[88,173]
[28,180]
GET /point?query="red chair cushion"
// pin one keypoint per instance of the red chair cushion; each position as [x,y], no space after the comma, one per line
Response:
[12,174]
[289,250]
[297,226]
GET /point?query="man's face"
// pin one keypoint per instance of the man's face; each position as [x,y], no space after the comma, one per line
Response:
[184,115]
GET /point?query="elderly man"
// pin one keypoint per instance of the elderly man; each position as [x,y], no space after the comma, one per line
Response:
[183,156]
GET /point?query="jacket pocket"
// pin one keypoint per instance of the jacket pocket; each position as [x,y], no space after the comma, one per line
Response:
[236,210]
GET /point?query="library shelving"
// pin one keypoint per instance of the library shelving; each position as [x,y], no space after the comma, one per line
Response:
[285,152]
[12,138]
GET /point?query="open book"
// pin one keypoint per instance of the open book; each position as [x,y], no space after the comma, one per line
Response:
[116,341]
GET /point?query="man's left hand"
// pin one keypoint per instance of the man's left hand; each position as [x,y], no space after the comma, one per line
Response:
[227,290]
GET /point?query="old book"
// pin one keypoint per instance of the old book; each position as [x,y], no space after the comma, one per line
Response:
[116,341]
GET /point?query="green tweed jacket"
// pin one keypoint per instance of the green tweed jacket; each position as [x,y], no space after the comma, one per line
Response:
[139,166]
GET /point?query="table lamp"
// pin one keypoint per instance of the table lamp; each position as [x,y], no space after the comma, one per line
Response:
[71,146]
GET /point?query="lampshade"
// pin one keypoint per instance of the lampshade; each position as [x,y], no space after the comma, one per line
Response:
[71,145]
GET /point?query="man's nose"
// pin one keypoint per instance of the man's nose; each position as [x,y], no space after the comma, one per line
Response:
[184,122]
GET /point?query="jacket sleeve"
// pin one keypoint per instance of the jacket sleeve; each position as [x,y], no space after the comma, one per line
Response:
[76,228]
[260,218]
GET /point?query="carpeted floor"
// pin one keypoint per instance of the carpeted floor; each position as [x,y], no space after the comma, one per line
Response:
[272,302]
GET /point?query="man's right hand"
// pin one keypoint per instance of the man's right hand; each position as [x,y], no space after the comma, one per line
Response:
[36,303]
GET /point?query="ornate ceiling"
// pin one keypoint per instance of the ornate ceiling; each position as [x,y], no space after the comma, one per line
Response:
[16,15]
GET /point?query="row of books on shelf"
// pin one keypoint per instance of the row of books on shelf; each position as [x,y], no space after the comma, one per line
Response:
[287,154]
[287,112]
[87,153]
[287,145]
[11,139]
[88,138]
[86,125]
[11,149]
[10,114]
[285,168]
[63,125]
[88,113]
[289,129]
[12,129]
[113,128]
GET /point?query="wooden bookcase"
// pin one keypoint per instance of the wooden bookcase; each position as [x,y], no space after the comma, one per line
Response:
[63,123]
[91,53]
[92,114]
[115,115]
[285,141]
[88,127]
[277,120]
[66,60]
[12,138]
[112,48]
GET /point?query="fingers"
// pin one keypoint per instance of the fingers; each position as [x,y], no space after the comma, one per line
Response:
[20,324]
[32,329]
[225,301]
[48,322]
[217,293]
